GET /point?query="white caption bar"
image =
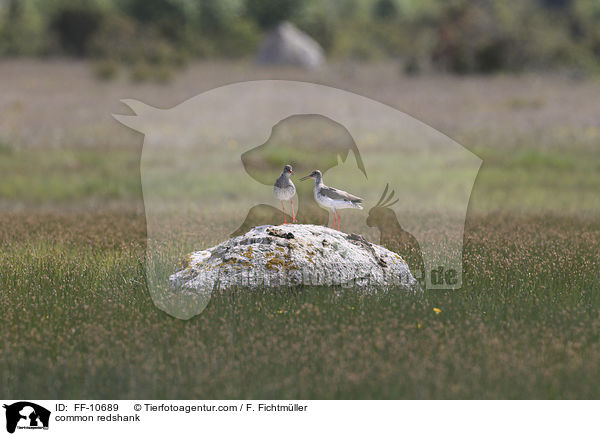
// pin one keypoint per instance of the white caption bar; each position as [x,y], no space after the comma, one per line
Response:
[300,417]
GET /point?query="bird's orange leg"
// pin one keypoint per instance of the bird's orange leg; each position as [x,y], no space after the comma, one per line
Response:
[293,213]
[283,207]
[339,219]
[334,220]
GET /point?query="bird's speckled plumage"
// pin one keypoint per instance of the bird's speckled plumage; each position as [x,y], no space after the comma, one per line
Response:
[284,190]
[333,198]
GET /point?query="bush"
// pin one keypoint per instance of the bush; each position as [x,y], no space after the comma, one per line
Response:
[75,25]
[269,13]
[171,18]
[106,69]
[459,36]
[22,29]
[116,38]
[143,72]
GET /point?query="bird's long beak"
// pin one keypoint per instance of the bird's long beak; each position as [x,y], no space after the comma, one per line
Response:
[305,177]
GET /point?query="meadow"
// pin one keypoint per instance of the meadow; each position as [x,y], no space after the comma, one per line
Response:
[78,320]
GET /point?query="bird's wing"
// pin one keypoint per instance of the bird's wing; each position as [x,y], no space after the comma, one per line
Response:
[336,194]
[281,182]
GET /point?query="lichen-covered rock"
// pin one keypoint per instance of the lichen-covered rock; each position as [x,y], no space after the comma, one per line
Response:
[294,255]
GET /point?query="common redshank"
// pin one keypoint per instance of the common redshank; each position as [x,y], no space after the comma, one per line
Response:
[285,190]
[332,198]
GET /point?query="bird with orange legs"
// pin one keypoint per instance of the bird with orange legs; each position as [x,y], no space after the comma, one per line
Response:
[285,190]
[333,198]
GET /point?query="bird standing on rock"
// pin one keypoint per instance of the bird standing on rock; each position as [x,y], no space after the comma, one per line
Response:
[285,190]
[332,198]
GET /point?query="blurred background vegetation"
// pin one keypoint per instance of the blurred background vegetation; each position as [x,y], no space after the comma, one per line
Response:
[457,36]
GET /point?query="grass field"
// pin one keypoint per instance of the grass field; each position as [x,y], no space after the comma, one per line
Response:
[76,308]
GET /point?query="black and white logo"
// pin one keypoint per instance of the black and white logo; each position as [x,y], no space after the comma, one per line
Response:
[26,415]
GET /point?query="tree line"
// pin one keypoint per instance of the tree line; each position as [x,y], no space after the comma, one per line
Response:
[458,36]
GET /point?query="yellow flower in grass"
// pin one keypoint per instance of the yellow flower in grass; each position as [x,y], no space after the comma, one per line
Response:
[436,310]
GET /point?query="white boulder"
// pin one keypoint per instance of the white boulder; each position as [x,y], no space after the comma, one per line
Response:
[293,255]
[287,45]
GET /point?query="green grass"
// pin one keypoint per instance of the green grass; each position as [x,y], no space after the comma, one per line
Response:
[76,308]
[53,177]
[509,180]
[536,179]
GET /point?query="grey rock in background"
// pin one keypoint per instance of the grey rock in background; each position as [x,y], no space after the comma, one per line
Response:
[287,45]
[292,255]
